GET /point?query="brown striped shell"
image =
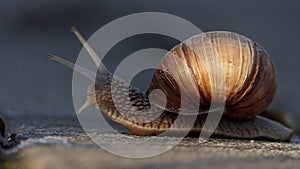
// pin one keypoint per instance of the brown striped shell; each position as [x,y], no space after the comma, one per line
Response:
[250,78]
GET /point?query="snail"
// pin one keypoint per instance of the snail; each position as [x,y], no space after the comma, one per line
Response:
[6,140]
[3,132]
[250,80]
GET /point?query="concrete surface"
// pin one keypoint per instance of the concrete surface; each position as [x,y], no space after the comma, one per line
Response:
[59,142]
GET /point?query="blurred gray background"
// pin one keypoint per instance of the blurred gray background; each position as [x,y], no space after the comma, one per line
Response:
[29,30]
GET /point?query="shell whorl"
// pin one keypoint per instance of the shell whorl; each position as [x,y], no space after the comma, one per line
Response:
[249,74]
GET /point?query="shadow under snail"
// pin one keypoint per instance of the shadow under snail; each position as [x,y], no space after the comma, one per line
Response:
[250,81]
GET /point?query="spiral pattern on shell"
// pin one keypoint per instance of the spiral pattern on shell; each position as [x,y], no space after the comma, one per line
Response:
[250,76]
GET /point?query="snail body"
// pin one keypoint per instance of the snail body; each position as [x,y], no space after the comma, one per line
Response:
[250,81]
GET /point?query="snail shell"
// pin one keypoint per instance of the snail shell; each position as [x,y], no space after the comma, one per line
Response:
[249,74]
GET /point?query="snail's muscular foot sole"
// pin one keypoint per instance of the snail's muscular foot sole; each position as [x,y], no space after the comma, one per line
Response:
[257,128]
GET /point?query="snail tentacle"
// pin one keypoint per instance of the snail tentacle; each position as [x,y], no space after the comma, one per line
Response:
[85,72]
[90,50]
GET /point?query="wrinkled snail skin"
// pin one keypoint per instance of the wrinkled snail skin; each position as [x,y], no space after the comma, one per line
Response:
[100,94]
[250,87]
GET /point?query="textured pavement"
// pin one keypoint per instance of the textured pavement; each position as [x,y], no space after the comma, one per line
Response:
[59,142]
